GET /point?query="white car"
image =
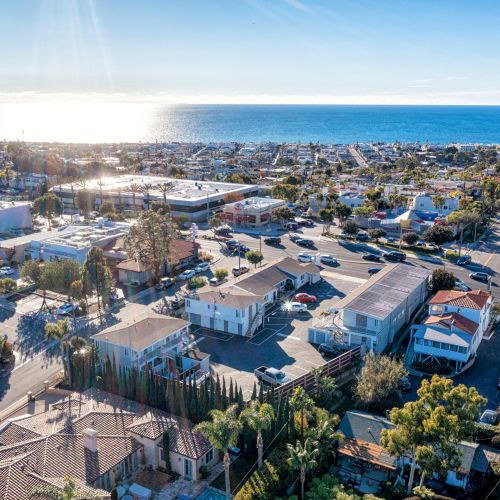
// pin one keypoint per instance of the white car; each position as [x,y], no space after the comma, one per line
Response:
[6,271]
[64,309]
[305,257]
[297,307]
[187,274]
[201,268]
[460,285]
[328,259]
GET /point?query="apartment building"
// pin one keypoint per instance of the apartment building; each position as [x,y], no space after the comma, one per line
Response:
[372,315]
[15,215]
[152,341]
[239,307]
[427,202]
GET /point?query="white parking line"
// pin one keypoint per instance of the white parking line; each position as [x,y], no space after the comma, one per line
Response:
[288,337]
[343,277]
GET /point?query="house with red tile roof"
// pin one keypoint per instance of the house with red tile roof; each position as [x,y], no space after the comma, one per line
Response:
[453,330]
[96,438]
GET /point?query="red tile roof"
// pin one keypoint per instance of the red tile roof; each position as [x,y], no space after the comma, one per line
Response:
[453,319]
[475,299]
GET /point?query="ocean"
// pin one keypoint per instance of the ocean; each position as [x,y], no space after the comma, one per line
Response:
[102,122]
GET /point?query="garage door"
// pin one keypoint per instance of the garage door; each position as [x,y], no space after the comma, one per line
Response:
[195,318]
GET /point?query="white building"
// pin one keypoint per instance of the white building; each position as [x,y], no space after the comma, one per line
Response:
[15,215]
[75,245]
[239,308]
[155,341]
[351,199]
[251,212]
[454,328]
[425,202]
[187,198]
[376,311]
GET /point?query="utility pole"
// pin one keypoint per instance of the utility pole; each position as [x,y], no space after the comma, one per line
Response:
[260,241]
[239,255]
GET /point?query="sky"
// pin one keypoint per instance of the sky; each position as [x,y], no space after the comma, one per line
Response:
[253,51]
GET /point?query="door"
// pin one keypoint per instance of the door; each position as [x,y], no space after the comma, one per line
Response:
[226,326]
[212,324]
[188,468]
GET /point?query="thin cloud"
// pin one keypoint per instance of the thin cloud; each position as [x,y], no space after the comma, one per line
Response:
[297,4]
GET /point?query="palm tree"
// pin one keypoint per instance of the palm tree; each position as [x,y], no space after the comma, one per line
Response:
[60,332]
[259,417]
[146,189]
[301,402]
[166,188]
[134,189]
[222,432]
[302,459]
[326,440]
[67,492]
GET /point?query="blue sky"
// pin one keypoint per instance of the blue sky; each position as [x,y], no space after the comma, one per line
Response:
[332,51]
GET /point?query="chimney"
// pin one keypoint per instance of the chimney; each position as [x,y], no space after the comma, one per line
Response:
[90,439]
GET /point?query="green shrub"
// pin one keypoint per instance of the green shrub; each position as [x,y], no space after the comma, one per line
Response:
[261,485]
[196,282]
[7,285]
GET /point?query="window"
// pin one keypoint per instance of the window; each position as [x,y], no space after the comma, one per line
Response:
[237,313]
[188,303]
[361,320]
[375,322]
[162,453]
[209,455]
[459,476]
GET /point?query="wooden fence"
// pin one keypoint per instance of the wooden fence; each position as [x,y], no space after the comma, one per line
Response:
[334,367]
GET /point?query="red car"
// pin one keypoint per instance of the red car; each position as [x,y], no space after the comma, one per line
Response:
[304,298]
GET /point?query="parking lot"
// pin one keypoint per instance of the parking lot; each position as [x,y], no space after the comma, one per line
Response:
[282,343]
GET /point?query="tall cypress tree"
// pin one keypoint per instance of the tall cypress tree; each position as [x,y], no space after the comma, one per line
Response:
[261,393]
[231,392]
[254,392]
[224,394]
[218,394]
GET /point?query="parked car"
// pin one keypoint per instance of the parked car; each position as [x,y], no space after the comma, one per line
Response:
[297,307]
[374,270]
[464,260]
[291,226]
[238,271]
[362,236]
[479,276]
[329,349]
[488,417]
[295,237]
[305,257]
[305,298]
[6,271]
[328,259]
[216,281]
[202,267]
[306,223]
[395,256]
[66,308]
[241,248]
[460,285]
[270,375]
[177,303]
[305,243]
[390,239]
[232,243]
[187,274]
[164,283]
[371,256]
[272,240]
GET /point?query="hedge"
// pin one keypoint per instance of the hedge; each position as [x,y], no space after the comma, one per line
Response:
[262,484]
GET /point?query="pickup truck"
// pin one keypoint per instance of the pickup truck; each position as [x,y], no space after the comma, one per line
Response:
[271,376]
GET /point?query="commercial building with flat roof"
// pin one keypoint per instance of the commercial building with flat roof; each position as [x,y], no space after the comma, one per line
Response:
[252,212]
[15,215]
[194,199]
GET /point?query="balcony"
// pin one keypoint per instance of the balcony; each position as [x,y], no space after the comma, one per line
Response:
[334,324]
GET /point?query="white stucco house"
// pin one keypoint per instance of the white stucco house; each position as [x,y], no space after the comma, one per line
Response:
[425,202]
[15,215]
[151,341]
[372,314]
[454,327]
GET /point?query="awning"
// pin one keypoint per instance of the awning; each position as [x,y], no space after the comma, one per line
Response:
[368,452]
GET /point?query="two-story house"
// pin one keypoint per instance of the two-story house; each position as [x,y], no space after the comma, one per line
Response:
[454,327]
[98,439]
[375,311]
[239,307]
[153,341]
